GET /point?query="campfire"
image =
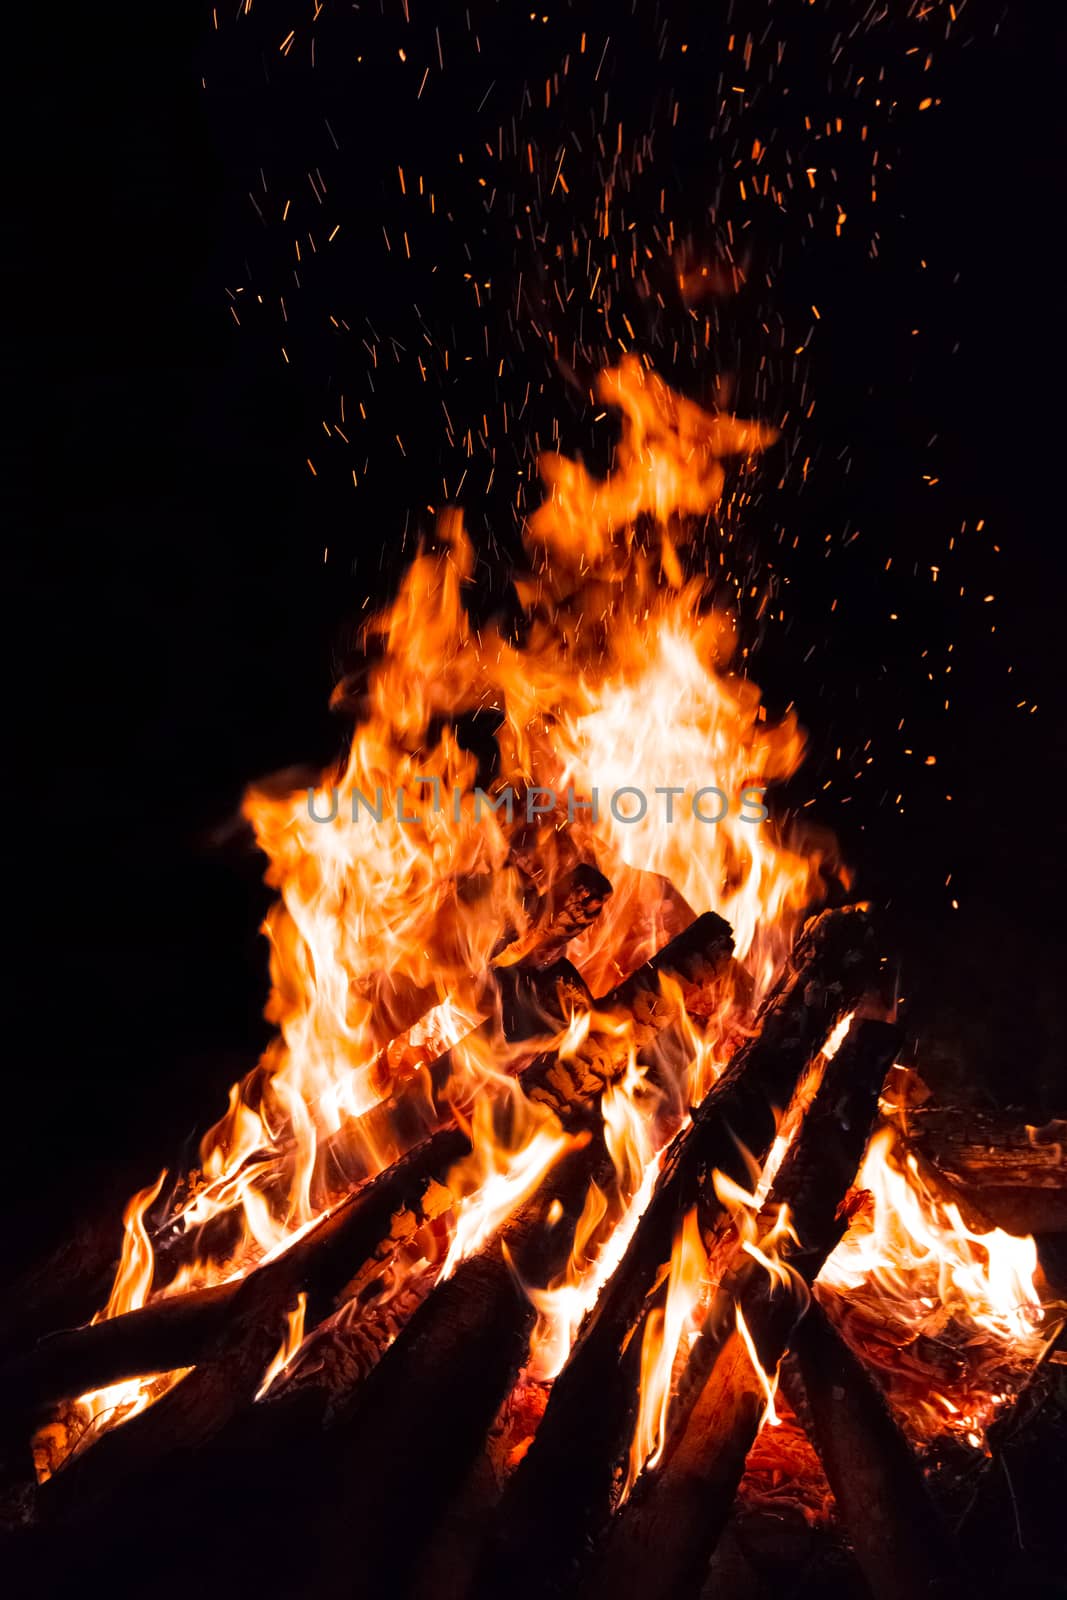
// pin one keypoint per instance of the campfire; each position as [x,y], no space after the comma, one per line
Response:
[589,1189]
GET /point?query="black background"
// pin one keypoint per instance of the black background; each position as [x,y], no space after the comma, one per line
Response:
[182,589]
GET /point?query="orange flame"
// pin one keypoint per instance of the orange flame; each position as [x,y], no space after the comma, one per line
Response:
[294,1338]
[400,887]
[101,1409]
[666,1327]
[910,1265]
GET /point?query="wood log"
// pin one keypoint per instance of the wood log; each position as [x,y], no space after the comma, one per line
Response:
[1013,1525]
[563,912]
[439,1387]
[176,1332]
[1014,1174]
[558,915]
[694,961]
[183,1331]
[529,1003]
[562,1490]
[900,1543]
[74,1278]
[193,1411]
[186,1331]
[661,1541]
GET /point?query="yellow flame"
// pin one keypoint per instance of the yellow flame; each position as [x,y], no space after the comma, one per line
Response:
[294,1338]
[665,1329]
[387,930]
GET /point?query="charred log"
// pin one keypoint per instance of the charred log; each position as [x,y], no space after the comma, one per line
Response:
[1014,1175]
[185,1330]
[663,1538]
[440,1385]
[562,1491]
[203,1328]
[900,1543]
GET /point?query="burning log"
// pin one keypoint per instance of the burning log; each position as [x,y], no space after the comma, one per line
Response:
[562,1490]
[530,1002]
[559,915]
[186,1329]
[64,1288]
[204,1327]
[661,1541]
[1013,1524]
[900,1543]
[440,1386]
[563,912]
[186,1416]
[693,962]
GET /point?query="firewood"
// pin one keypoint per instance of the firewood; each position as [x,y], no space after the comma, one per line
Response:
[1014,1174]
[193,1411]
[529,1002]
[1013,1526]
[900,1543]
[562,1489]
[182,1331]
[558,915]
[662,1539]
[694,961]
[198,1328]
[439,1387]
[73,1279]
[563,912]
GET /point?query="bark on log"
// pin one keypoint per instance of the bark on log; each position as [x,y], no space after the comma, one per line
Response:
[438,1389]
[694,961]
[183,1331]
[343,1241]
[176,1332]
[562,1490]
[1013,1527]
[193,1411]
[530,1002]
[1013,1174]
[900,1543]
[661,1541]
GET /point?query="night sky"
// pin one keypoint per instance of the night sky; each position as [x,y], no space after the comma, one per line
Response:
[286,285]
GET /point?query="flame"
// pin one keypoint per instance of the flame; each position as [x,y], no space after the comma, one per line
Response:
[294,1338]
[101,1409]
[911,1266]
[768,1382]
[765,1239]
[496,1178]
[666,1327]
[605,1225]
[401,884]
[404,887]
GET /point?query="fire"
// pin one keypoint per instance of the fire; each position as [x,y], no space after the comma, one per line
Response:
[405,880]
[910,1267]
[605,1226]
[666,1327]
[666,1335]
[768,1383]
[495,1179]
[101,1409]
[294,1338]
[388,928]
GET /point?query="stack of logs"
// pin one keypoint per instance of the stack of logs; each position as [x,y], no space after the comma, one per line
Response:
[373,1476]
